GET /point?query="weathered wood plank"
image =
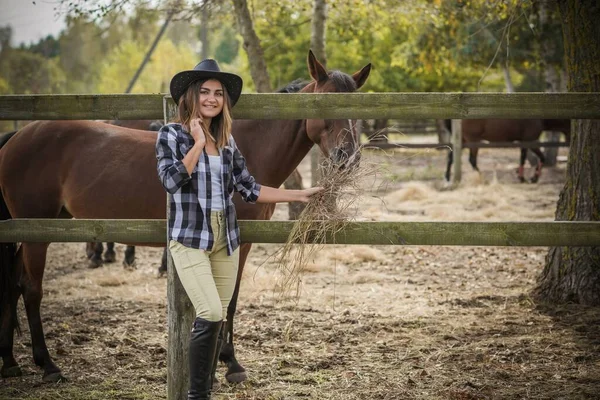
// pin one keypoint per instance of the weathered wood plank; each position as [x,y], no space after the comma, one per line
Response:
[572,233]
[327,105]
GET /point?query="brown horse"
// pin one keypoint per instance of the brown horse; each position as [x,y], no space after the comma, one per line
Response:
[508,130]
[46,171]
[94,250]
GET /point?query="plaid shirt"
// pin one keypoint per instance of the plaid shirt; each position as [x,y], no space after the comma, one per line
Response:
[189,215]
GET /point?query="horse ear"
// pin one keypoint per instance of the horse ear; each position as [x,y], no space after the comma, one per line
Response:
[361,76]
[316,69]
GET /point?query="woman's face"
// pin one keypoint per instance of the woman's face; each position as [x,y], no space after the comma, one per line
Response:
[211,99]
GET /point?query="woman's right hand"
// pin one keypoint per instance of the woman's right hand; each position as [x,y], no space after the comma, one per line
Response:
[197,131]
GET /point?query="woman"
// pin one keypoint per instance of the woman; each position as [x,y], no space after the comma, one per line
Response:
[200,165]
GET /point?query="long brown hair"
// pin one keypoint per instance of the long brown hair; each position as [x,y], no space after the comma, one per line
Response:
[220,126]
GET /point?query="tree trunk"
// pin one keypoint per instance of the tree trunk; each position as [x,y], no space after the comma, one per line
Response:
[317,36]
[510,87]
[549,49]
[572,274]
[258,66]
[204,40]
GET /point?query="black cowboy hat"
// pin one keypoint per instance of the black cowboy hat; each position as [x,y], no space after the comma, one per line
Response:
[206,69]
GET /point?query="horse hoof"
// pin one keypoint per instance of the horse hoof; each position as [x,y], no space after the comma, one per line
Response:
[534,179]
[110,257]
[11,372]
[94,263]
[130,266]
[55,377]
[236,377]
[521,179]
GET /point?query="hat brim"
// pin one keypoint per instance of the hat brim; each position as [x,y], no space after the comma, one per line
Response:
[182,80]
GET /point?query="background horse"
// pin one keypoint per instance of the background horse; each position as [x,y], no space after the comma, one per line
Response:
[86,169]
[94,250]
[508,130]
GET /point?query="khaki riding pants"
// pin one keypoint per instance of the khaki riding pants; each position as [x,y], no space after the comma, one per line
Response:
[208,277]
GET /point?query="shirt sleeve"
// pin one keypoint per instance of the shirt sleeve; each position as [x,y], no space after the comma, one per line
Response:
[243,182]
[171,171]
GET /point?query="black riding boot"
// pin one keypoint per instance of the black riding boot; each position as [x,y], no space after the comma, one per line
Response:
[214,383]
[202,353]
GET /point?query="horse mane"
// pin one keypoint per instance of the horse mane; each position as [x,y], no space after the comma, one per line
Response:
[293,87]
[342,81]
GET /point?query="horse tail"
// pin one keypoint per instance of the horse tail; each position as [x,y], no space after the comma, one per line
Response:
[8,257]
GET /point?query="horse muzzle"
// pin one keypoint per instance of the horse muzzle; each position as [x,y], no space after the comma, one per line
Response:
[343,158]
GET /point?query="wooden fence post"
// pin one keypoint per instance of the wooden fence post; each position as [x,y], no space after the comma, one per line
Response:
[456,151]
[180,313]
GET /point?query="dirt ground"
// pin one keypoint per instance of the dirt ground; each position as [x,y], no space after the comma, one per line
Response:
[371,322]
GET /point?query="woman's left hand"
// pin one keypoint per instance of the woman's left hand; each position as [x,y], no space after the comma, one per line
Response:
[307,193]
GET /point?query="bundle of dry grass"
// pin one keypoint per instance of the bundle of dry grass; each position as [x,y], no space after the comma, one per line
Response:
[326,214]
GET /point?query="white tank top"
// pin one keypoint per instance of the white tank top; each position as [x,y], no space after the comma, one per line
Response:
[217,201]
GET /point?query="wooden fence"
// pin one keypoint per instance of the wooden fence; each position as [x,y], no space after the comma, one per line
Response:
[298,106]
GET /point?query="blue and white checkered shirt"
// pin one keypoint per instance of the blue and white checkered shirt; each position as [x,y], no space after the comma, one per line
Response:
[189,215]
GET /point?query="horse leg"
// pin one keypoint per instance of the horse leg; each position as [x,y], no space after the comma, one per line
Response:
[8,311]
[34,257]
[96,258]
[163,264]
[109,254]
[538,168]
[522,165]
[89,249]
[449,167]
[235,372]
[129,261]
[473,157]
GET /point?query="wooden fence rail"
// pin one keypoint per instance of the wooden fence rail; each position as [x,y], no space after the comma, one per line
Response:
[153,232]
[328,105]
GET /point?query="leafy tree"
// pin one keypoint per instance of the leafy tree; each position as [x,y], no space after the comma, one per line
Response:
[31,73]
[83,51]
[227,45]
[47,47]
[120,65]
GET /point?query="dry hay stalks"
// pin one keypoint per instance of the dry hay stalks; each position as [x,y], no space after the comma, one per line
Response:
[325,215]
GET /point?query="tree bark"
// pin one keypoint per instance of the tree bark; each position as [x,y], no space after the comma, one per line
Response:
[318,31]
[258,66]
[510,87]
[572,274]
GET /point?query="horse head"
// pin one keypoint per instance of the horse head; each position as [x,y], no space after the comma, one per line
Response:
[337,138]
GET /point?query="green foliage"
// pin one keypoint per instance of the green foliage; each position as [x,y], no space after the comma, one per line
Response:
[120,65]
[30,73]
[47,47]
[421,45]
[226,45]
